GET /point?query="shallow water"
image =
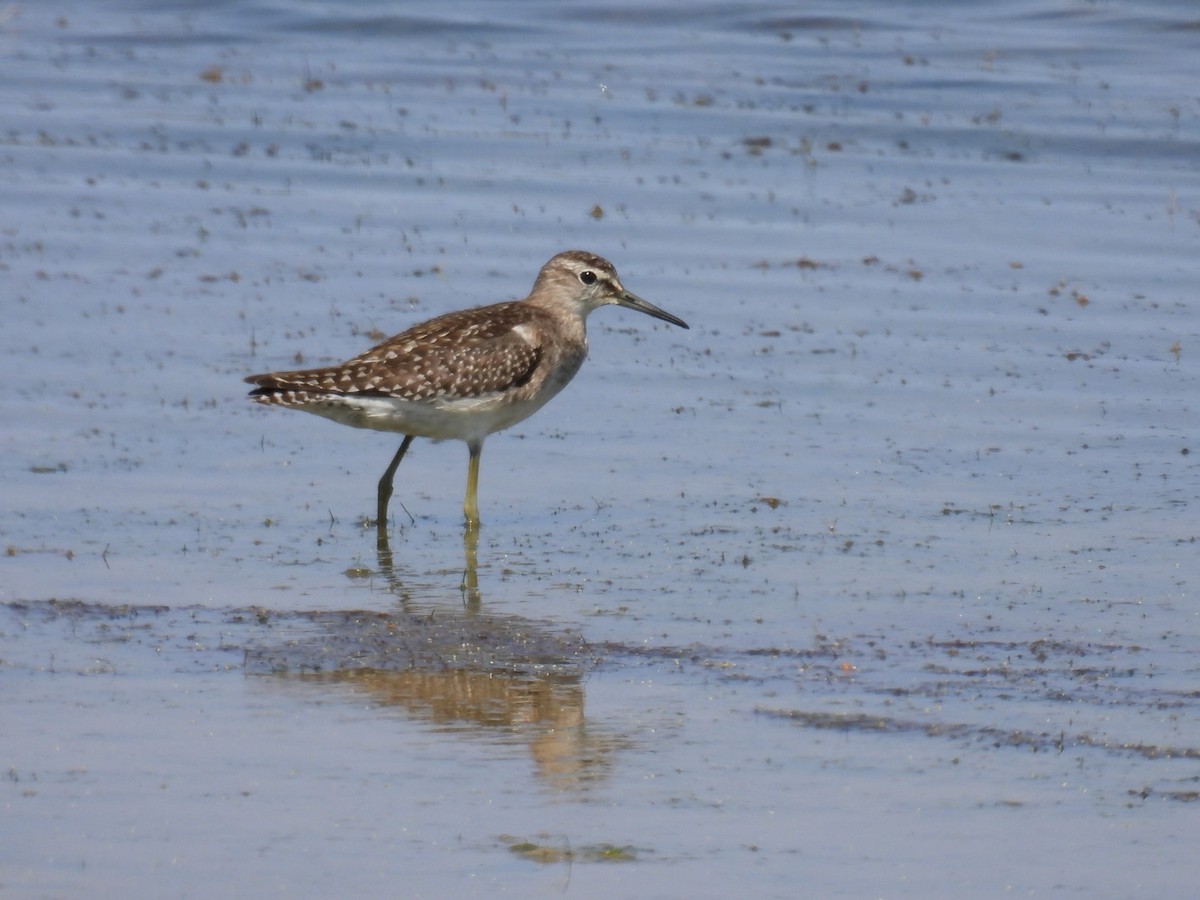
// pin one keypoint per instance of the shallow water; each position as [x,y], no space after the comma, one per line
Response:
[876,582]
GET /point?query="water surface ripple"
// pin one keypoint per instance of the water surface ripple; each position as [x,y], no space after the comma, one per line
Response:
[876,582]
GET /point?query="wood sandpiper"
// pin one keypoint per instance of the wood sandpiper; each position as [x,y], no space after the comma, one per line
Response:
[465,374]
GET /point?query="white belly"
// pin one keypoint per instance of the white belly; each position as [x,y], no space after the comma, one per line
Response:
[463,419]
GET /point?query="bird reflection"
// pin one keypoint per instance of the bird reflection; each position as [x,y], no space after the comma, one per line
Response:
[545,712]
[458,668]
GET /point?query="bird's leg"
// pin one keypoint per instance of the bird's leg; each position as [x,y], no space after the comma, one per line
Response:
[471,506]
[385,485]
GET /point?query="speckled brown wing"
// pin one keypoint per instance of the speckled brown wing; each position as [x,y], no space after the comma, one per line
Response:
[458,355]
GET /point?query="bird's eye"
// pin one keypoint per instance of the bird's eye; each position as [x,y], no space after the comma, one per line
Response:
[587,276]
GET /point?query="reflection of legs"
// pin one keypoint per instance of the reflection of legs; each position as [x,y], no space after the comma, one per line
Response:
[470,579]
[385,484]
[471,506]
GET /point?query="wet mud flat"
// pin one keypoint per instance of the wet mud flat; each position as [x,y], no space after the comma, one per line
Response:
[455,742]
[463,664]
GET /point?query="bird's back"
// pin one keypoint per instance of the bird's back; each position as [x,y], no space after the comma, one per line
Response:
[498,364]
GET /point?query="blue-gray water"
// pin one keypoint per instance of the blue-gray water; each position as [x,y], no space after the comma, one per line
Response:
[876,582]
